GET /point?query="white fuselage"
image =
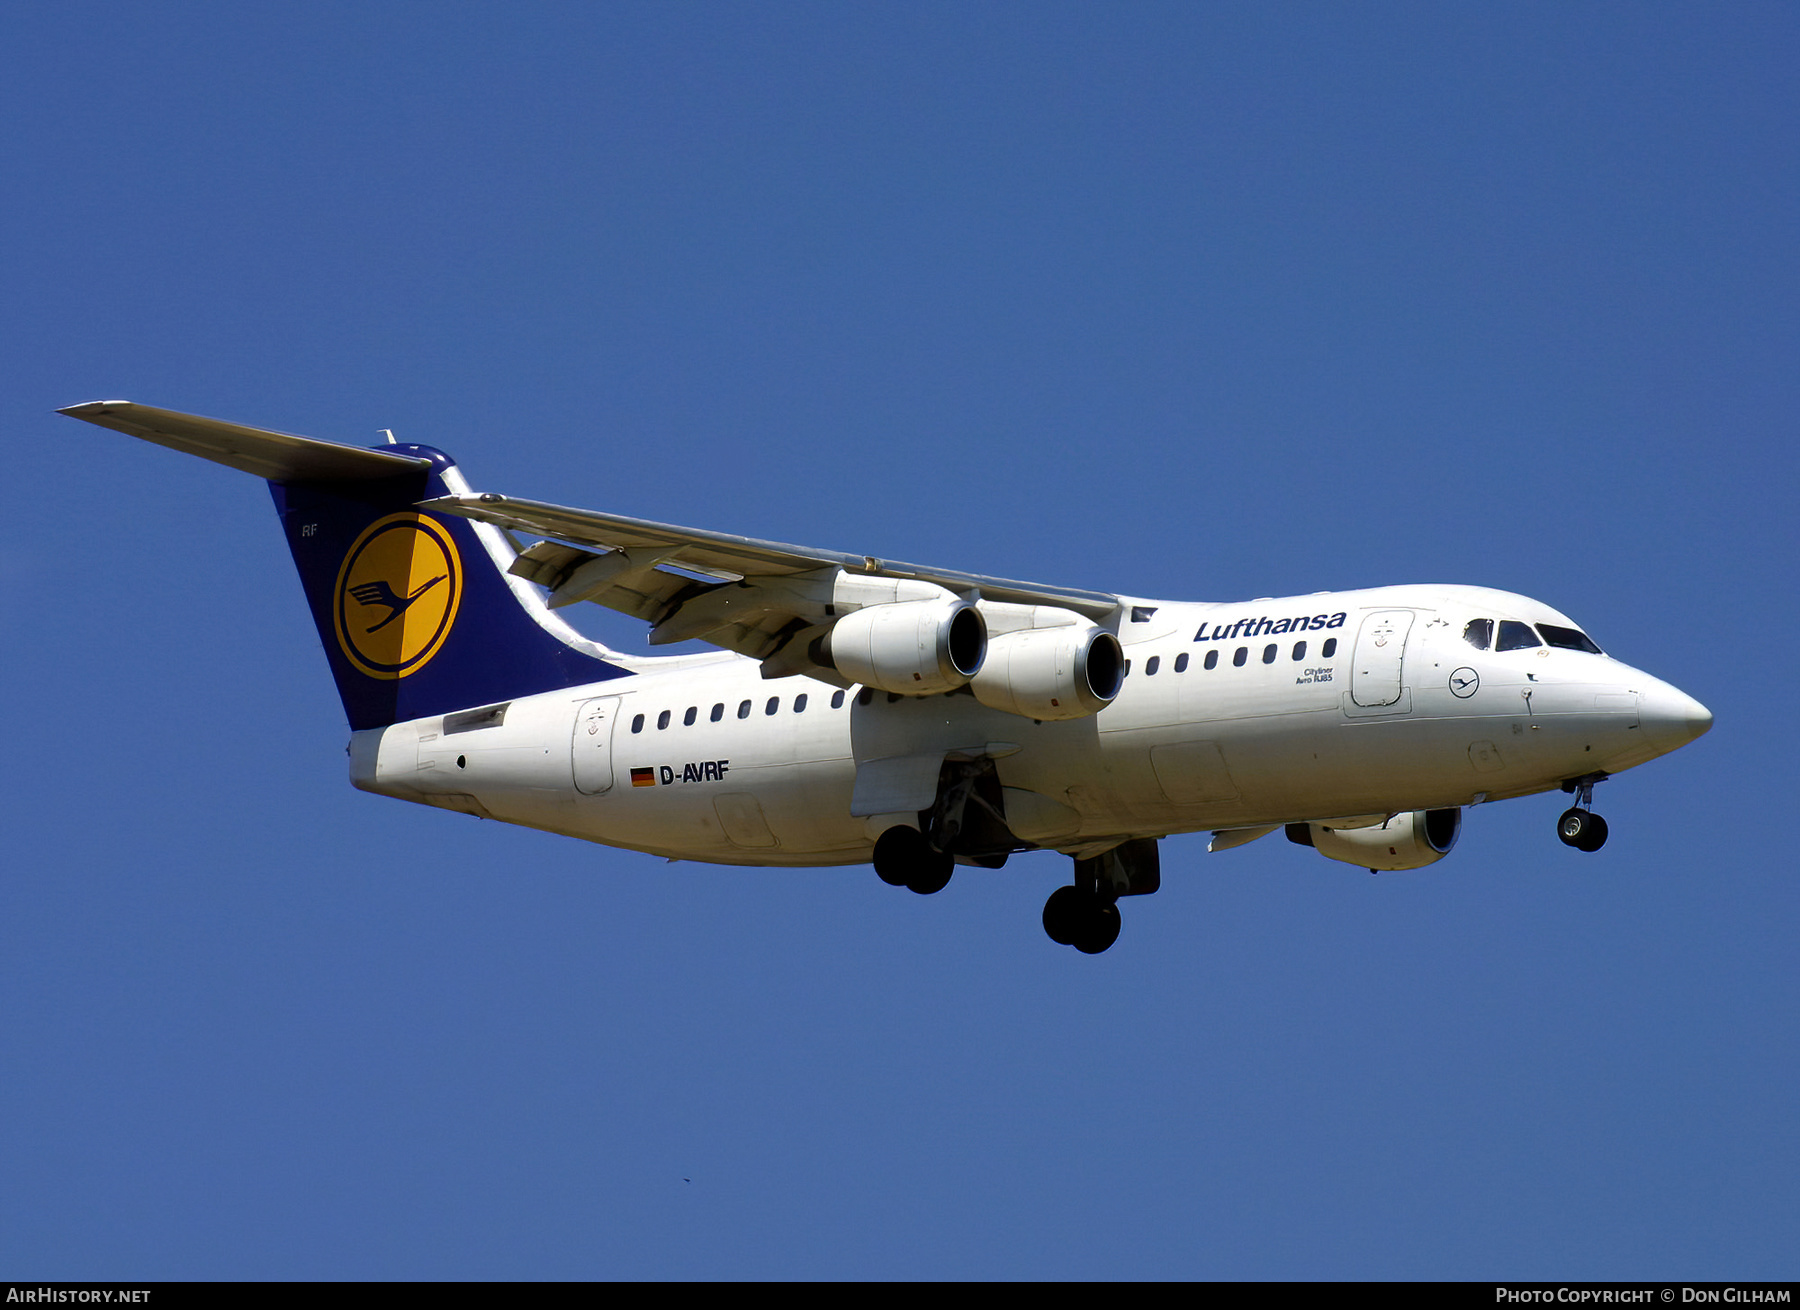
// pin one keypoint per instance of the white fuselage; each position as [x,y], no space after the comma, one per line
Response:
[1403,713]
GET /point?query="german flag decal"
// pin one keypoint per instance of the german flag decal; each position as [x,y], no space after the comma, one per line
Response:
[643,777]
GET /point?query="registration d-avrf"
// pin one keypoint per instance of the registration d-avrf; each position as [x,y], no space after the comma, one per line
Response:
[859,710]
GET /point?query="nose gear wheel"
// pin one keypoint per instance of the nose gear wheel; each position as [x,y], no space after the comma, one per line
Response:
[1582,829]
[1579,826]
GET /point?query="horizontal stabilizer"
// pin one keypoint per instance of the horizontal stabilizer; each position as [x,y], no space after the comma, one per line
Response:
[276,456]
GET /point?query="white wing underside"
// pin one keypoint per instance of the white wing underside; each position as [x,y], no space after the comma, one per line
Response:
[763,599]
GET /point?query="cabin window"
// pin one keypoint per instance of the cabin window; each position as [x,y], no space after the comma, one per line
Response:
[1299,651]
[1151,665]
[1516,636]
[837,700]
[866,695]
[1181,662]
[1562,639]
[1127,672]
[773,705]
[687,720]
[637,724]
[1269,653]
[800,703]
[718,711]
[1479,633]
[1328,649]
[744,710]
[662,720]
[1212,659]
[1239,656]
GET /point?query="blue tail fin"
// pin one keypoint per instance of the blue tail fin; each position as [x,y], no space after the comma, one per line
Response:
[415,612]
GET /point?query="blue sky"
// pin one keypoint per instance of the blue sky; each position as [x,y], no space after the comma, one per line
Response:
[1202,302]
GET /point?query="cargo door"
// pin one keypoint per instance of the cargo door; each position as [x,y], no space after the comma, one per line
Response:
[591,747]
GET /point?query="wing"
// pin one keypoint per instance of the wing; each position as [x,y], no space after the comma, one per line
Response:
[764,599]
[773,602]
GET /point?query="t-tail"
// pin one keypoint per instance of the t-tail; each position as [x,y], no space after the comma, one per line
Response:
[417,613]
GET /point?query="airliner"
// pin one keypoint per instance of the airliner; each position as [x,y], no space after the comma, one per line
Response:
[858,710]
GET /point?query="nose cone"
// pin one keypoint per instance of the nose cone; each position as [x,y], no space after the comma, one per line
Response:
[1670,718]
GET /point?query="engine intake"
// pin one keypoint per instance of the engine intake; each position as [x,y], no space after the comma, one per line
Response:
[913,647]
[1409,840]
[1067,672]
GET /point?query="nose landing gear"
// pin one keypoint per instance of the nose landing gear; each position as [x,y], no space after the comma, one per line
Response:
[1582,829]
[1579,826]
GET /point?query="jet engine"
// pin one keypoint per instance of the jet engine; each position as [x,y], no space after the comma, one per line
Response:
[1065,672]
[912,647]
[1409,840]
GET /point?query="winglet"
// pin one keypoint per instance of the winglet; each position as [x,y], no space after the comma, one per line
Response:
[276,456]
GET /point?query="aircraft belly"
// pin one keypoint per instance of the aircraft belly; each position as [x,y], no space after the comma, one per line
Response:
[1230,772]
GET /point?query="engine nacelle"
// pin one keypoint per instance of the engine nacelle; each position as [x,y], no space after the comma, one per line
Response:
[1410,840]
[1067,672]
[912,647]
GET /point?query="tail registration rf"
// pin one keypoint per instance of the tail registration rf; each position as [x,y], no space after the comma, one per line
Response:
[860,710]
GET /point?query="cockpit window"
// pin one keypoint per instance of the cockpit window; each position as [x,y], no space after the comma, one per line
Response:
[1479,633]
[1568,639]
[1516,636]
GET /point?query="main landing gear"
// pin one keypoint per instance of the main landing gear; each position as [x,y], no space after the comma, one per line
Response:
[1085,920]
[1086,915]
[965,822]
[1579,826]
[904,858]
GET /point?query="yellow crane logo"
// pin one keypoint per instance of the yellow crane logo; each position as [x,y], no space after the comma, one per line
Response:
[397,595]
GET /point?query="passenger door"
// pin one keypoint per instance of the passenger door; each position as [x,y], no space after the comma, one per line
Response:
[1376,669]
